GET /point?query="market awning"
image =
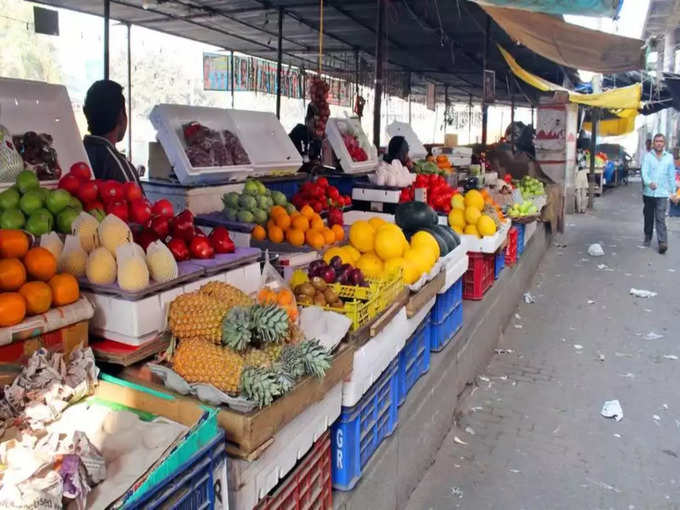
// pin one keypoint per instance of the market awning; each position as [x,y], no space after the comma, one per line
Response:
[609,8]
[568,44]
[621,98]
[620,123]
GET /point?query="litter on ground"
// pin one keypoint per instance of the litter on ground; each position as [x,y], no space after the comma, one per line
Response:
[578,347]
[652,336]
[670,356]
[595,250]
[641,293]
[612,409]
[528,298]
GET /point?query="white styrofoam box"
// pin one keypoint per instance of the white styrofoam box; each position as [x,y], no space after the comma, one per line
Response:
[529,231]
[375,195]
[246,278]
[350,217]
[277,155]
[456,267]
[198,199]
[371,359]
[487,244]
[458,156]
[333,132]
[251,481]
[44,108]
[416,149]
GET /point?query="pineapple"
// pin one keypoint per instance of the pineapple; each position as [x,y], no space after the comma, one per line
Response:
[262,385]
[295,334]
[236,328]
[316,358]
[226,293]
[292,362]
[269,323]
[257,358]
[273,351]
[199,361]
[195,315]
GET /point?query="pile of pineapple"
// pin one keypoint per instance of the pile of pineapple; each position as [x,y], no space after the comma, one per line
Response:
[240,347]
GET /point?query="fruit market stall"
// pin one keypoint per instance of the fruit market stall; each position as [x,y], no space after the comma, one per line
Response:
[356,154]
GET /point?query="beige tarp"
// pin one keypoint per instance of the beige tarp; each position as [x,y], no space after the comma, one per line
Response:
[570,45]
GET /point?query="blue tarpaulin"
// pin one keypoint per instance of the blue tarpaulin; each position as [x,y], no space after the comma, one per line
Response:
[608,8]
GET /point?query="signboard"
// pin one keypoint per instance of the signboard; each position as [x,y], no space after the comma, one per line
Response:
[489,86]
[430,98]
[216,71]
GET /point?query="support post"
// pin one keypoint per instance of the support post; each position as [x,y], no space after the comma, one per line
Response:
[107,18]
[409,98]
[129,88]
[594,117]
[379,68]
[532,116]
[512,121]
[232,79]
[446,108]
[279,64]
[356,71]
[470,120]
[485,107]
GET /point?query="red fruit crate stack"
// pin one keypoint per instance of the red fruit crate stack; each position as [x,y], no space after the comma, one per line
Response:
[511,248]
[479,276]
[308,486]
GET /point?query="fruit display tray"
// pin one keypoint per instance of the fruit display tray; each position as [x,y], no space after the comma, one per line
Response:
[217,219]
[224,261]
[487,244]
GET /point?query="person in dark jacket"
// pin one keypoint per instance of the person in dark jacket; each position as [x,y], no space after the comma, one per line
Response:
[398,149]
[107,122]
[303,137]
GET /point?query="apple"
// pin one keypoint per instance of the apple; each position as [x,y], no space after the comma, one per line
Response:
[81,170]
[111,191]
[179,249]
[160,225]
[139,211]
[145,237]
[132,192]
[88,192]
[163,208]
[70,183]
[118,208]
[201,248]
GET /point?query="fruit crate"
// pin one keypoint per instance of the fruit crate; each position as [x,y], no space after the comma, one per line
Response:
[308,486]
[414,359]
[191,486]
[521,229]
[447,301]
[441,333]
[511,248]
[480,275]
[356,435]
[499,263]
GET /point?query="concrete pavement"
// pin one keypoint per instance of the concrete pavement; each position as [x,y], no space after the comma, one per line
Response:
[529,434]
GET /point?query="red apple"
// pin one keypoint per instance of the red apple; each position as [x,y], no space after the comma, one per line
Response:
[81,170]
[132,192]
[220,240]
[201,248]
[140,212]
[163,208]
[118,208]
[160,225]
[182,226]
[70,183]
[145,237]
[111,191]
[179,249]
[88,192]
[95,204]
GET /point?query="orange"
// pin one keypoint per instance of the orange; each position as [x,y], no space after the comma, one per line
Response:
[295,236]
[307,211]
[339,232]
[40,264]
[12,274]
[285,297]
[301,223]
[13,244]
[315,240]
[65,289]
[259,233]
[270,223]
[292,311]
[316,224]
[266,296]
[282,221]
[38,296]
[328,235]
[12,308]
[276,211]
[275,234]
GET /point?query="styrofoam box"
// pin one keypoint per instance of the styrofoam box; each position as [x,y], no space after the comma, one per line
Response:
[278,154]
[335,139]
[44,108]
[529,231]
[371,359]
[350,217]
[251,481]
[376,195]
[136,322]
[416,148]
[455,269]
[198,199]
[487,244]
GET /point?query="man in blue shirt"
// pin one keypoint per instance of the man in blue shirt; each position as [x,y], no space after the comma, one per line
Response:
[658,181]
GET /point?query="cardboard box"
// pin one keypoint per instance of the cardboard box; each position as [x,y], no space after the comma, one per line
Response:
[451,140]
[61,340]
[159,167]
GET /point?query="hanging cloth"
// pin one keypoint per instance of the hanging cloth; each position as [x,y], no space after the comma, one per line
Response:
[570,45]
[604,8]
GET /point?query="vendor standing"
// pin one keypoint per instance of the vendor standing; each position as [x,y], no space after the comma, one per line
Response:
[302,136]
[107,122]
[398,149]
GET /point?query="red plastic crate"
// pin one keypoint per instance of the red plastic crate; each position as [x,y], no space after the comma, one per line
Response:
[511,248]
[308,486]
[479,276]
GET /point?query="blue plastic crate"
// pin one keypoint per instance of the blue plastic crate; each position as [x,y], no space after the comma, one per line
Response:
[287,187]
[441,333]
[500,264]
[191,487]
[414,359]
[447,301]
[357,433]
[521,228]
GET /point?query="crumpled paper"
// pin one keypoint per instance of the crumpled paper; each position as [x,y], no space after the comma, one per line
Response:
[612,409]
[326,326]
[642,293]
[595,250]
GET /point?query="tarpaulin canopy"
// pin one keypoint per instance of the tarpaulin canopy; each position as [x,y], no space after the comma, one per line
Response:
[570,45]
[579,7]
[620,98]
[614,126]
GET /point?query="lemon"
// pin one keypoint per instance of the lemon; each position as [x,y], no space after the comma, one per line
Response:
[458,202]
[472,215]
[457,218]
[458,229]
[486,226]
[362,236]
[389,242]
[471,230]
[474,198]
[371,265]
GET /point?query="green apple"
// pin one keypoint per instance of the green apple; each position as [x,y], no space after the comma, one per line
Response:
[9,199]
[57,200]
[65,219]
[27,181]
[40,222]
[12,219]
[31,201]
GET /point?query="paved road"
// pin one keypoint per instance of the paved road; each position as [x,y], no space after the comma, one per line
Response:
[532,426]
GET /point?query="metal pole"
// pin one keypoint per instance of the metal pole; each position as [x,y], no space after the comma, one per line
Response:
[107,18]
[512,121]
[279,65]
[532,115]
[485,107]
[232,79]
[129,87]
[356,71]
[409,98]
[594,118]
[446,108]
[470,120]
[379,68]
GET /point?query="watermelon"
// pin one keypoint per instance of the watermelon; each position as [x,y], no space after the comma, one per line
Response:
[441,240]
[451,238]
[414,216]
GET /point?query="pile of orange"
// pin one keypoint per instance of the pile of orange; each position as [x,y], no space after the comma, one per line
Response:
[298,228]
[29,283]
[283,298]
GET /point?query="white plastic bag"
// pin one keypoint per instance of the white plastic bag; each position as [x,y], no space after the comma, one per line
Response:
[595,250]
[133,273]
[274,289]
[85,228]
[73,259]
[52,243]
[11,163]
[162,265]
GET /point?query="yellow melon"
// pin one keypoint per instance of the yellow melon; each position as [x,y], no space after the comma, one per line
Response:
[471,230]
[472,215]
[371,265]
[362,236]
[486,226]
[474,198]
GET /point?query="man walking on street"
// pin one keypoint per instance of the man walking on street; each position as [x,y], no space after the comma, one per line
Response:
[658,180]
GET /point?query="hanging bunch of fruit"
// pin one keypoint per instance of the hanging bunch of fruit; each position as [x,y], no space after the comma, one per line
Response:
[439,192]
[320,195]
[240,347]
[253,204]
[318,92]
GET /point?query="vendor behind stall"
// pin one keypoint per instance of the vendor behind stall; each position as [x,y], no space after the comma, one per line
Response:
[397,149]
[303,137]
[107,121]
